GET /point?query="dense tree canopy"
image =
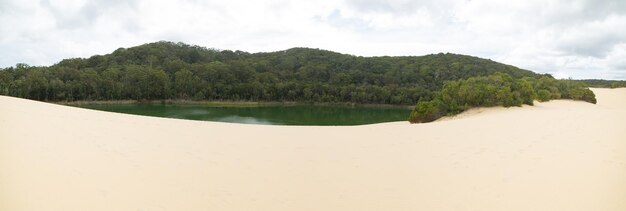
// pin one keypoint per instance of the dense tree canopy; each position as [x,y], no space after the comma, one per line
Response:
[166,70]
[441,83]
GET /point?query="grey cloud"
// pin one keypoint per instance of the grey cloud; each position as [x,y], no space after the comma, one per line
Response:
[335,19]
[618,64]
[363,15]
[579,29]
[619,67]
[400,7]
[597,47]
[568,38]
[595,39]
[440,11]
[598,9]
[4,6]
[88,13]
[384,6]
[566,13]
[616,59]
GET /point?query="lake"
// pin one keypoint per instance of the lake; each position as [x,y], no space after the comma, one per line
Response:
[270,115]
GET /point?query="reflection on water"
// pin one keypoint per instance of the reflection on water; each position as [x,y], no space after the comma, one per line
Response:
[276,115]
[245,120]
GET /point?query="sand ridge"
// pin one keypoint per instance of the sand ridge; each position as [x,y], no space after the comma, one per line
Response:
[559,155]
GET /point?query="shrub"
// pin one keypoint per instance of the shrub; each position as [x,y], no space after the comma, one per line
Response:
[427,111]
[543,95]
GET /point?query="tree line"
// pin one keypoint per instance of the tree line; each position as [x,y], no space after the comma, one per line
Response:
[604,83]
[177,71]
[441,84]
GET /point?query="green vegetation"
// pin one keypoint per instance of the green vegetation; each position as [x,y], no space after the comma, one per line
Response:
[442,84]
[604,83]
[176,71]
[498,89]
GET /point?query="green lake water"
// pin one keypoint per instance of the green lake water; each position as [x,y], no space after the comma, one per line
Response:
[270,115]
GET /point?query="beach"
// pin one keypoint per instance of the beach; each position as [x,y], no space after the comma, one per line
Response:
[557,155]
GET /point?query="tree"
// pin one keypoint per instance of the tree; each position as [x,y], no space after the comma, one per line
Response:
[167,70]
[544,95]
[111,86]
[158,84]
[184,84]
[36,84]
[427,111]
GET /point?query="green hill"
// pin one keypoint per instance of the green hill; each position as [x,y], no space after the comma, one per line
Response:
[440,84]
[166,70]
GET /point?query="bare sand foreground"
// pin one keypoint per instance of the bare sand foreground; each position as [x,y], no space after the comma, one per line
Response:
[560,155]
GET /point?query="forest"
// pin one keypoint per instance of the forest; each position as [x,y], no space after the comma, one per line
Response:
[166,70]
[441,84]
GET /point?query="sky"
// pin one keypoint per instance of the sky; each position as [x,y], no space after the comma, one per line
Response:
[566,38]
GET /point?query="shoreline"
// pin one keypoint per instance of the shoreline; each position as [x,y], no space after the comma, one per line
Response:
[223,103]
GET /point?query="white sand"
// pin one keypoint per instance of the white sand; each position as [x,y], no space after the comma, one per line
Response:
[560,155]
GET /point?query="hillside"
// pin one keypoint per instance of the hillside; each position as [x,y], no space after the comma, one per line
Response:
[166,70]
[599,83]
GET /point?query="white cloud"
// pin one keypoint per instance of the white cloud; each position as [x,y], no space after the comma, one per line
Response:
[579,38]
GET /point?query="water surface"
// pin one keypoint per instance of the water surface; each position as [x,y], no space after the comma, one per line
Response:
[272,115]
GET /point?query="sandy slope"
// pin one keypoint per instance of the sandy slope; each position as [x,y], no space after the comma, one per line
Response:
[560,155]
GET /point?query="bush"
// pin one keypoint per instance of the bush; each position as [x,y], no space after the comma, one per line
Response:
[427,111]
[589,96]
[576,91]
[584,94]
[543,95]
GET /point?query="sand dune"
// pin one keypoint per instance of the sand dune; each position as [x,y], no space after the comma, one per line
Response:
[559,155]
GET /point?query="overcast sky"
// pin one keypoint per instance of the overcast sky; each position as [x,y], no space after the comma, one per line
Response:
[566,38]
